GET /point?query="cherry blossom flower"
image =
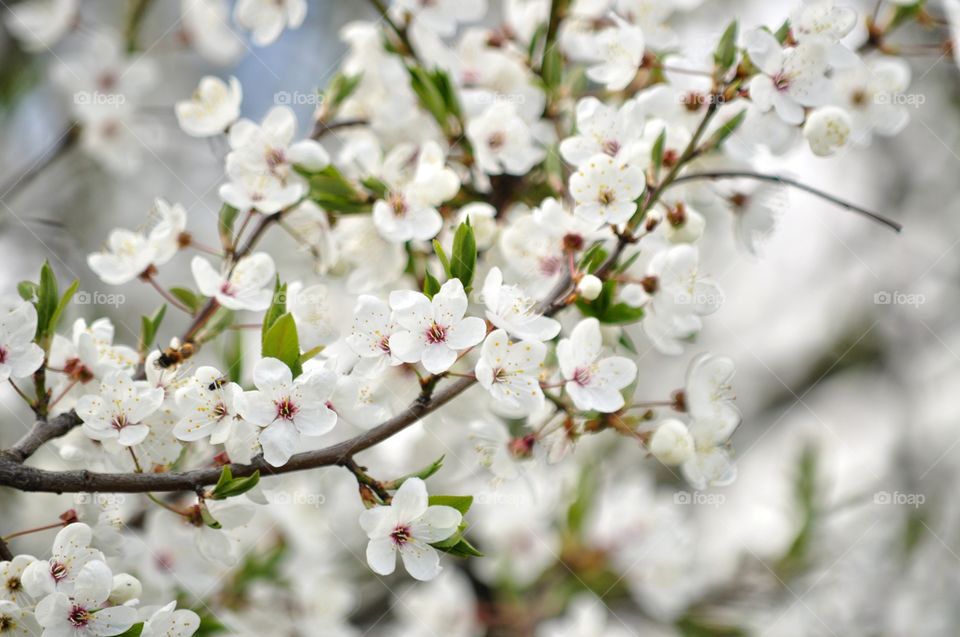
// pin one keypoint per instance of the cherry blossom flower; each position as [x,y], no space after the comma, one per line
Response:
[210,407]
[126,256]
[11,584]
[671,442]
[407,526]
[373,326]
[434,331]
[312,310]
[206,27]
[212,109]
[243,288]
[266,19]
[593,383]
[502,141]
[287,408]
[82,614]
[439,16]
[16,621]
[616,53]
[603,129]
[707,391]
[790,80]
[40,24]
[71,552]
[409,211]
[169,621]
[828,129]
[510,371]
[19,355]
[118,411]
[606,191]
[872,96]
[512,310]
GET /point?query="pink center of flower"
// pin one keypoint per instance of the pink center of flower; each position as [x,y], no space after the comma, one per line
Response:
[286,410]
[581,376]
[550,265]
[384,344]
[496,141]
[275,158]
[119,421]
[227,289]
[781,81]
[436,333]
[79,616]
[398,204]
[220,411]
[611,147]
[401,534]
[3,355]
[58,571]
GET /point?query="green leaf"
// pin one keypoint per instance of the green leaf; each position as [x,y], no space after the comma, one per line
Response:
[377,187]
[726,53]
[222,319]
[228,486]
[278,307]
[461,503]
[207,517]
[580,507]
[592,258]
[460,548]
[657,152]
[782,33]
[61,307]
[313,351]
[423,474]
[233,356]
[329,189]
[149,325]
[227,217]
[728,129]
[188,297]
[340,88]
[281,342]
[438,249]
[48,299]
[430,285]
[464,258]
[552,71]
[605,310]
[431,97]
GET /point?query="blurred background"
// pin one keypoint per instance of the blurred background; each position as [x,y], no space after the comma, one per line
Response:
[844,519]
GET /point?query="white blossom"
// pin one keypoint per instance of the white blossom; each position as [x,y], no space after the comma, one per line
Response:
[606,190]
[266,19]
[19,355]
[118,411]
[71,552]
[510,371]
[243,288]
[512,310]
[594,383]
[82,613]
[407,526]
[209,406]
[790,80]
[212,109]
[40,24]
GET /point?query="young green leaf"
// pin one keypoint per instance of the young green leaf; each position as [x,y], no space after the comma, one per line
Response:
[228,216]
[228,486]
[461,503]
[278,307]
[464,258]
[281,342]
[188,297]
[438,249]
[726,53]
[430,285]
[149,325]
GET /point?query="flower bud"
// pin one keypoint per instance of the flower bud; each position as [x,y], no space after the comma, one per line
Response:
[827,130]
[590,287]
[671,443]
[125,588]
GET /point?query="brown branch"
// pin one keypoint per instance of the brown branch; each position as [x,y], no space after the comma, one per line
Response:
[5,553]
[25,478]
[41,432]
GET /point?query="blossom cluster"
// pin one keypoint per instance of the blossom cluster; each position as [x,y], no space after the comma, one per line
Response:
[519,207]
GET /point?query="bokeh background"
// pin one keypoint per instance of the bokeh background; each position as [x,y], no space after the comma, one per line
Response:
[844,519]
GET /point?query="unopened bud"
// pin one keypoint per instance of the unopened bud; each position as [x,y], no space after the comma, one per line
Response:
[590,287]
[672,443]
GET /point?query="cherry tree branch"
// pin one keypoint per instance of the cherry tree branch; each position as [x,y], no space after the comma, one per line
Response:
[744,174]
[42,431]
[23,478]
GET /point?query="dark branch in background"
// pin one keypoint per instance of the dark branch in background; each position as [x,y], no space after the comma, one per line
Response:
[321,128]
[5,553]
[846,205]
[12,187]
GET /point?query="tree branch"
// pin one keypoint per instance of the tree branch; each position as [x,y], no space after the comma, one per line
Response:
[23,478]
[41,432]
[744,174]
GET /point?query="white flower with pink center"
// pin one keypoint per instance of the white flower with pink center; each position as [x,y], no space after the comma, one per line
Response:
[434,331]
[287,408]
[510,371]
[593,383]
[118,411]
[789,80]
[370,335]
[71,551]
[244,287]
[606,190]
[19,355]
[408,526]
[84,612]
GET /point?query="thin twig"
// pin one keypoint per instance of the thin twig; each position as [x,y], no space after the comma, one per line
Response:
[743,174]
